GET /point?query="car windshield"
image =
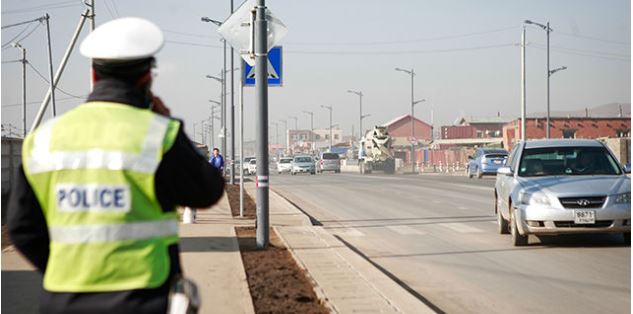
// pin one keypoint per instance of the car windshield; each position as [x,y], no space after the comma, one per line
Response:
[496,155]
[330,156]
[553,161]
[285,161]
[252,162]
[303,159]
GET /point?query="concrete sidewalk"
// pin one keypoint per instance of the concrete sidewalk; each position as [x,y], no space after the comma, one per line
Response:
[347,282]
[210,256]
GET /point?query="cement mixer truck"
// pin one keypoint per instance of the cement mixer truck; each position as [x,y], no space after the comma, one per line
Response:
[374,152]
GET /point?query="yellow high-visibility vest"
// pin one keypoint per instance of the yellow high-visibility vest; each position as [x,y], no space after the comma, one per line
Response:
[92,171]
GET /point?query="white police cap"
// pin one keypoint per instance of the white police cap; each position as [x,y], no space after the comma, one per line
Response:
[123,39]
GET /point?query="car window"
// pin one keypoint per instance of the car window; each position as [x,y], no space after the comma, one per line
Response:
[303,159]
[330,156]
[253,162]
[512,157]
[285,161]
[549,161]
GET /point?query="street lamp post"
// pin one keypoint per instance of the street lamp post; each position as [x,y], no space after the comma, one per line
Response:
[217,104]
[285,135]
[330,109]
[360,114]
[547,30]
[311,128]
[413,102]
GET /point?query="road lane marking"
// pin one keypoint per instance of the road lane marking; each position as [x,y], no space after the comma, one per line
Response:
[461,227]
[405,230]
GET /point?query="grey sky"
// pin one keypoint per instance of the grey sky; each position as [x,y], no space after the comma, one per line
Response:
[464,54]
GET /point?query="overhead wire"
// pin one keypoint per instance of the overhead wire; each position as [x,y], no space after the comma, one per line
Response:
[39,102]
[596,39]
[50,6]
[47,81]
[12,40]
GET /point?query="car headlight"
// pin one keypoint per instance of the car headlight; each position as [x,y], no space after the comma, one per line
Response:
[624,198]
[533,199]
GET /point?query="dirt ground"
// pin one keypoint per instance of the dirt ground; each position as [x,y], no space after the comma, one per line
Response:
[233,192]
[276,282]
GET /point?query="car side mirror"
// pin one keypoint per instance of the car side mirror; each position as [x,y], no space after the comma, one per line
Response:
[470,157]
[506,171]
[627,168]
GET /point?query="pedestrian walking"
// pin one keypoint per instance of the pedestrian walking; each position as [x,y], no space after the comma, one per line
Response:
[93,207]
[217,160]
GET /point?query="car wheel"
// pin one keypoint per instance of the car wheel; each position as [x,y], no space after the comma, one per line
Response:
[627,237]
[517,238]
[479,174]
[502,224]
[470,175]
[312,173]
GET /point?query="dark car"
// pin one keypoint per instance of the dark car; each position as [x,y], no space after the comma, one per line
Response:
[486,161]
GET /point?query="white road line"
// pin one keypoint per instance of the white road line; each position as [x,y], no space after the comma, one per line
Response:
[462,207]
[461,227]
[405,230]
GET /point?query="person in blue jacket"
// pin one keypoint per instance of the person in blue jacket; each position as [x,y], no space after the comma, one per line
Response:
[217,160]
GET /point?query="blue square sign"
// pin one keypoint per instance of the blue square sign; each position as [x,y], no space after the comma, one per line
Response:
[275,69]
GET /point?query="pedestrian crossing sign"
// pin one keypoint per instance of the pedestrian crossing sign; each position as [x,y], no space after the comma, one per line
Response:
[275,69]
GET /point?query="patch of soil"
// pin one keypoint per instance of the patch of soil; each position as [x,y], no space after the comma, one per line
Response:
[5,237]
[233,192]
[276,282]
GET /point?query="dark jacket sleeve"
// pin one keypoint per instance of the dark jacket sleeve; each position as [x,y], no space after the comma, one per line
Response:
[185,177]
[26,223]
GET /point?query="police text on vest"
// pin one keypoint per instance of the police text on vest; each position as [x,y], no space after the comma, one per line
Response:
[93,197]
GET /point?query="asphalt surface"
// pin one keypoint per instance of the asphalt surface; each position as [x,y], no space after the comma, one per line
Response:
[436,236]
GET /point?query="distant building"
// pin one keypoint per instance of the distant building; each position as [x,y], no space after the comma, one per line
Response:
[305,140]
[478,127]
[400,130]
[581,127]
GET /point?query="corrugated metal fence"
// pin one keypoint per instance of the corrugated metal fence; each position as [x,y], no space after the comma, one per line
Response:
[11,157]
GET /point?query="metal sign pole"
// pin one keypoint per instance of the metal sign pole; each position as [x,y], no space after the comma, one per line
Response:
[261,83]
[50,63]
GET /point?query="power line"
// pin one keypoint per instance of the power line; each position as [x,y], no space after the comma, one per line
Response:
[39,102]
[39,19]
[188,34]
[405,41]
[399,52]
[50,6]
[11,61]
[116,8]
[595,38]
[191,44]
[47,81]
[105,4]
[12,40]
[584,54]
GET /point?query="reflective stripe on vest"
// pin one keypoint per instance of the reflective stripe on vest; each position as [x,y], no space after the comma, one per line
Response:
[42,160]
[114,232]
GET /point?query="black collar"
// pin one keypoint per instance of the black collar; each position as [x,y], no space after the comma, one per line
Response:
[112,90]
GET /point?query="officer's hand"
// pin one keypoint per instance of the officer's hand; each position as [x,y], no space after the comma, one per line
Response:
[159,107]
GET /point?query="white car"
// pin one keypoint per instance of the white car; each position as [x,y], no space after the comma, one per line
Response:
[551,187]
[252,166]
[246,163]
[284,165]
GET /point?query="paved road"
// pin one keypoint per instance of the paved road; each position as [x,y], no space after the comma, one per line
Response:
[437,235]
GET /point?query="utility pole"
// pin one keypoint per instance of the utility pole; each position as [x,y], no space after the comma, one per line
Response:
[413,102]
[523,95]
[261,86]
[360,112]
[241,138]
[217,103]
[311,129]
[91,6]
[285,135]
[330,109]
[549,72]
[50,62]
[23,60]
[296,119]
[60,70]
[232,179]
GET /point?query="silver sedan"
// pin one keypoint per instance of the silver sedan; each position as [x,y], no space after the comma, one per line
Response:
[553,187]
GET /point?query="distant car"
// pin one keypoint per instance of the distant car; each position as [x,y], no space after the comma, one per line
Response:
[486,161]
[284,165]
[302,164]
[554,187]
[246,163]
[329,162]
[252,166]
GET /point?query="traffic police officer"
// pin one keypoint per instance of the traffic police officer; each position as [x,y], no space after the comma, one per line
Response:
[93,206]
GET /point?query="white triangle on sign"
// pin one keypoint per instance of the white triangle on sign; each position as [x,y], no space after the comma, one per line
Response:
[236,30]
[272,73]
